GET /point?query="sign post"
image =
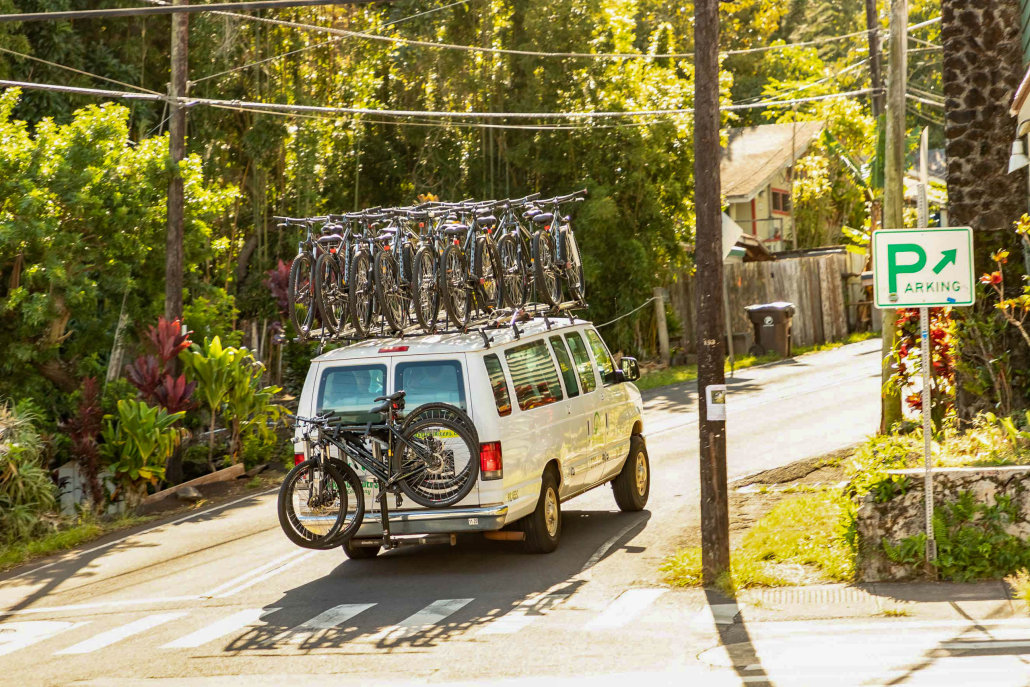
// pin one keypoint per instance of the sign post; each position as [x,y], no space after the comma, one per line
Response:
[924,268]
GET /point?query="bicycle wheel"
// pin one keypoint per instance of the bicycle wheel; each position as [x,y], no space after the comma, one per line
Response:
[574,267]
[513,272]
[427,292]
[454,286]
[355,503]
[330,294]
[487,270]
[361,293]
[548,286]
[441,462]
[441,411]
[388,291]
[312,504]
[301,294]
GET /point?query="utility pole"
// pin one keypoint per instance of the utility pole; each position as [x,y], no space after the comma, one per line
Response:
[872,21]
[663,326]
[894,187]
[176,151]
[711,376]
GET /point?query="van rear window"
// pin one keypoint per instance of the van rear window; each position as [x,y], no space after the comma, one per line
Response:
[351,391]
[500,385]
[533,374]
[431,381]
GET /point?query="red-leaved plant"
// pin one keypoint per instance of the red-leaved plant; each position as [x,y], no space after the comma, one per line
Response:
[278,282]
[151,374]
[83,429]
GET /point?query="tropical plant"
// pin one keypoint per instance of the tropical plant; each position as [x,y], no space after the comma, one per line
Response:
[137,443]
[26,490]
[84,429]
[249,406]
[211,367]
[152,374]
[1016,309]
[277,280]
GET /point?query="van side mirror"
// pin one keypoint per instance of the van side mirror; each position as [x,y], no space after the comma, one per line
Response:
[630,369]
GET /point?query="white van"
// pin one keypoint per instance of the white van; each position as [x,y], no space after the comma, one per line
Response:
[554,415]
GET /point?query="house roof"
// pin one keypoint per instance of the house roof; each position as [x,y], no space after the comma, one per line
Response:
[755,154]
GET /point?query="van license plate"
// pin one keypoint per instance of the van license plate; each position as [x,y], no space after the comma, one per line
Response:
[473,521]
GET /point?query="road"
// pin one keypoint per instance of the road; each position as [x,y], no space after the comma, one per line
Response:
[221,597]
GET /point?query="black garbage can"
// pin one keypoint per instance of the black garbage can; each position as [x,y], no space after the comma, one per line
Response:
[773,323]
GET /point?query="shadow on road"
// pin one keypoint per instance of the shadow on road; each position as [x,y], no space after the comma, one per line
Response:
[493,578]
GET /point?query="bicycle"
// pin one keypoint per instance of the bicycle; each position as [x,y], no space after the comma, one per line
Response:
[514,253]
[301,290]
[393,268]
[432,458]
[360,276]
[557,260]
[330,283]
[464,284]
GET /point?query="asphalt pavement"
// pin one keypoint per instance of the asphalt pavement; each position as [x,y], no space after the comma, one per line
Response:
[220,596]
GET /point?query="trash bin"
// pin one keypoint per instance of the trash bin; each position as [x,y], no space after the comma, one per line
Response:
[773,323]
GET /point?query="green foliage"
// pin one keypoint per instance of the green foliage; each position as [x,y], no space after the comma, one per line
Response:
[137,443]
[211,367]
[26,491]
[248,404]
[889,487]
[214,315]
[867,468]
[909,551]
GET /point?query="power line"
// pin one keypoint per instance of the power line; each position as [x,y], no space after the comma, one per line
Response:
[924,101]
[77,71]
[172,9]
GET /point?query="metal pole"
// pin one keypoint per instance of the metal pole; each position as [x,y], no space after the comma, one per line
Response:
[927,365]
[176,151]
[711,371]
[729,323]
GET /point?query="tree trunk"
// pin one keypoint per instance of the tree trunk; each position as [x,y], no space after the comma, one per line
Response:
[211,444]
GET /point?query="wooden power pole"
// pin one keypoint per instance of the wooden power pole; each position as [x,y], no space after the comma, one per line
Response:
[872,21]
[894,186]
[715,521]
[177,151]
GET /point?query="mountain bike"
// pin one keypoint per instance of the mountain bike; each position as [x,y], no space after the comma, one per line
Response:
[556,256]
[394,269]
[432,458]
[469,284]
[301,294]
[513,249]
[330,283]
[360,276]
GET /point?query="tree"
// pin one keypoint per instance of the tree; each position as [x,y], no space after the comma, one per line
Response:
[212,369]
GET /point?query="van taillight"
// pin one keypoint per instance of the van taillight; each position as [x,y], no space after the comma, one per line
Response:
[298,458]
[490,464]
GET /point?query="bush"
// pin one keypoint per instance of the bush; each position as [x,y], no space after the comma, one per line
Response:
[137,444]
[26,491]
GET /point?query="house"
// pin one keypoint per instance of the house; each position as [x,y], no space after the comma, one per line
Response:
[756,171]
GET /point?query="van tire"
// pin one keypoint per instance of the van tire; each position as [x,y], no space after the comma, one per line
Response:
[633,484]
[540,539]
[359,553]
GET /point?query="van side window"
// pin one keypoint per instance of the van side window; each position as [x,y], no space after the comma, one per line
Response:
[601,355]
[351,391]
[568,374]
[431,381]
[582,358]
[533,374]
[499,384]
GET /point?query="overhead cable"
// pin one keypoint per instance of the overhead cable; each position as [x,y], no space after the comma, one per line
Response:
[73,69]
[924,101]
[172,9]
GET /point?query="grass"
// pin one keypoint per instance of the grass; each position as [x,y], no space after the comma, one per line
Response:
[896,613]
[688,373]
[83,531]
[1020,583]
[802,534]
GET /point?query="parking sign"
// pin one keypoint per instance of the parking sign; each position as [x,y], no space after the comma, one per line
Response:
[923,267]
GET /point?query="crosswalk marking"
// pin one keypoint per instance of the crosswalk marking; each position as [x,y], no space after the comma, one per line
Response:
[628,606]
[249,574]
[326,621]
[235,622]
[524,614]
[105,639]
[427,617]
[14,636]
[261,578]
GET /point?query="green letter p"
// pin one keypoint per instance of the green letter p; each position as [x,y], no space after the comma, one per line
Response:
[894,269]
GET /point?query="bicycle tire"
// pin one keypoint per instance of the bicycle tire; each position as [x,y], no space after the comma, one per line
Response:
[319,531]
[427,291]
[356,515]
[548,284]
[360,284]
[388,291]
[329,284]
[574,267]
[454,286]
[513,271]
[487,271]
[300,294]
[453,468]
[441,411]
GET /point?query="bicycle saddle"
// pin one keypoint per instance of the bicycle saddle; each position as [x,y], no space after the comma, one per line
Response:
[542,218]
[395,399]
[486,221]
[455,229]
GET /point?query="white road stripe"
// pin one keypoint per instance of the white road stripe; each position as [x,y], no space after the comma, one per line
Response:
[628,606]
[524,614]
[247,575]
[1002,644]
[326,621]
[262,578]
[105,639]
[14,636]
[101,604]
[427,617]
[236,621]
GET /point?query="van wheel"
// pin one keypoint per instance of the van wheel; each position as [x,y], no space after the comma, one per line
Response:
[359,553]
[543,526]
[633,484]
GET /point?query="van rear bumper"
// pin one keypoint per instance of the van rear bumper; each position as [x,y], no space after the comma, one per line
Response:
[432,521]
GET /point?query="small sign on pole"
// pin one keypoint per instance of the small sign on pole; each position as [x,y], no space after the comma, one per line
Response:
[924,268]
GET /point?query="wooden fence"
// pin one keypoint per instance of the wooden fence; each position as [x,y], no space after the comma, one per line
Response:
[815,285]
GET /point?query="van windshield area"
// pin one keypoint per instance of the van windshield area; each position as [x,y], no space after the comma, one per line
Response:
[351,392]
[431,381]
